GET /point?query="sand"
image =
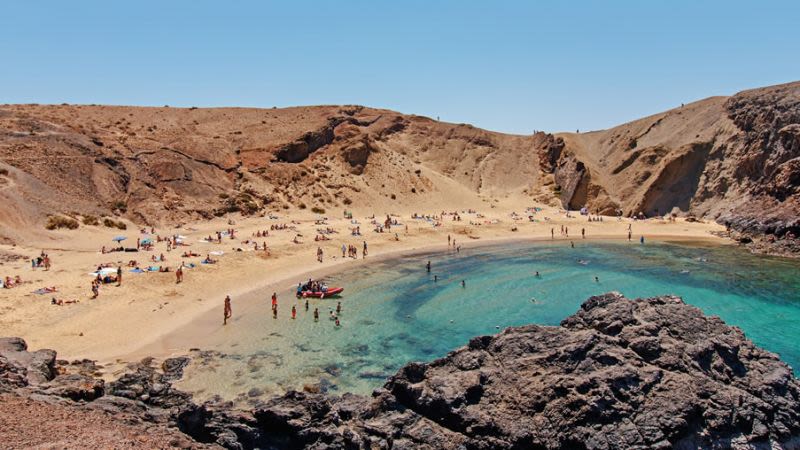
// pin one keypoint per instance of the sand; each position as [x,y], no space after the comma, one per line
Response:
[126,320]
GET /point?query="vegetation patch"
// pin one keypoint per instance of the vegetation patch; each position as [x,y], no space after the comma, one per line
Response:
[111,223]
[58,222]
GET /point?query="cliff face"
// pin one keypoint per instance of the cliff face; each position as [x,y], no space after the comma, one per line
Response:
[735,160]
[619,374]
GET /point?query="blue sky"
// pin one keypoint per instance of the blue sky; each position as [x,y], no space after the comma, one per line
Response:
[511,66]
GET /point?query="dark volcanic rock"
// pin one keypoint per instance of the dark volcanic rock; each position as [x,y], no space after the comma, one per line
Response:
[619,374]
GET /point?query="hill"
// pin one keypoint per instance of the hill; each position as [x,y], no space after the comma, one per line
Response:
[734,160]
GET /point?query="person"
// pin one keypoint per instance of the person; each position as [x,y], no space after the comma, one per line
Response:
[583,233]
[95,289]
[463,284]
[275,312]
[537,274]
[306,304]
[338,308]
[629,235]
[435,278]
[344,249]
[119,276]
[641,239]
[596,280]
[274,300]
[179,274]
[428,267]
[572,244]
[338,324]
[294,312]
[228,312]
[364,253]
[316,314]
[552,233]
[448,240]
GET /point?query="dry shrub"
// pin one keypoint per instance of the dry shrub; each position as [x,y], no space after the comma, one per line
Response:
[57,222]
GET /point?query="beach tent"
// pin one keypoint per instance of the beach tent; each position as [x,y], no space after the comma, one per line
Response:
[119,238]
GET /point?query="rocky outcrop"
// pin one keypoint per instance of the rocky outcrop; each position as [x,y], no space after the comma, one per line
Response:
[618,374]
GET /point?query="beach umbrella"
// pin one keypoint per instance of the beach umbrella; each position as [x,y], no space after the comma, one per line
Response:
[119,238]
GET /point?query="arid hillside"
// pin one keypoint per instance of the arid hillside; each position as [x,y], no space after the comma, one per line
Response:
[163,165]
[735,160]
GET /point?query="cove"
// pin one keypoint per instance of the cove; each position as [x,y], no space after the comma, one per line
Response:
[394,312]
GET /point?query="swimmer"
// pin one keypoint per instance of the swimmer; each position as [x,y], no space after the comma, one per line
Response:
[537,274]
[316,314]
[463,284]
[572,244]
[533,300]
[596,280]
[435,278]
[337,322]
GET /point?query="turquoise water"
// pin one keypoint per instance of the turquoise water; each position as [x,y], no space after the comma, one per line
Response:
[394,312]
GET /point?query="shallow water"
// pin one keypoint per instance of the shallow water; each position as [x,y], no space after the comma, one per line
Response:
[394,312]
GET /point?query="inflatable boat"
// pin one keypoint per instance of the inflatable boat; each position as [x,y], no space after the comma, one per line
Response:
[319,294]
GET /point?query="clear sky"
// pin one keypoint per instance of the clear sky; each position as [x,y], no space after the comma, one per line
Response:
[510,66]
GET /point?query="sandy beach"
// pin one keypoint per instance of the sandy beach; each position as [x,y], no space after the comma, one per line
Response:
[126,320]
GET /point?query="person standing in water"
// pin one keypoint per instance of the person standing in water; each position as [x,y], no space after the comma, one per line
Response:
[228,312]
[428,267]
[583,233]
[641,239]
[316,314]
[294,312]
[306,304]
[463,284]
[338,308]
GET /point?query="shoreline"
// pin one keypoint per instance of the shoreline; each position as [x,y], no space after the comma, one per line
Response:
[148,308]
[156,347]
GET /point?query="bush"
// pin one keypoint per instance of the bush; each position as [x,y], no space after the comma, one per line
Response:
[57,222]
[90,220]
[318,210]
[110,223]
[120,205]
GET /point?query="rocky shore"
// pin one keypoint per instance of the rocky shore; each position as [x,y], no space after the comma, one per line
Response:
[620,373]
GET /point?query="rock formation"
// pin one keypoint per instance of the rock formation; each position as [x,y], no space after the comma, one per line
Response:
[619,374]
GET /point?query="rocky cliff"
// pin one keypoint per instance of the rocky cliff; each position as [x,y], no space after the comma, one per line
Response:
[619,374]
[734,160]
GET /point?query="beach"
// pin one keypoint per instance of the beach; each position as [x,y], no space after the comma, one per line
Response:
[126,320]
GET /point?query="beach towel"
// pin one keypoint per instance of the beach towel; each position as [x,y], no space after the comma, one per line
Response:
[42,291]
[217,253]
[153,268]
[137,270]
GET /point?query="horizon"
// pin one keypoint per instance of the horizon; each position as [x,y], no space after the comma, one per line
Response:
[511,68]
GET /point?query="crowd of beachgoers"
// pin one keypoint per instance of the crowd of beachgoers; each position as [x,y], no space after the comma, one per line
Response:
[134,268]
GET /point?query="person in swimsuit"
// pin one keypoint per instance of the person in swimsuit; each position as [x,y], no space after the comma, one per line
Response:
[228,312]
